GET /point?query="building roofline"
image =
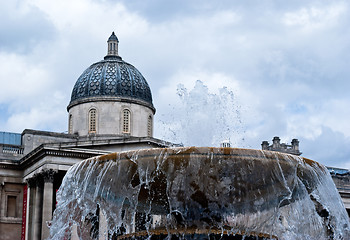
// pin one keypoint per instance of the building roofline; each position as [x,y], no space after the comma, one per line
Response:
[78,148]
[43,150]
[47,133]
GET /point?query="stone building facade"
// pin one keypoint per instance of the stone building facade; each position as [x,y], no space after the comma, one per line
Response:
[111,110]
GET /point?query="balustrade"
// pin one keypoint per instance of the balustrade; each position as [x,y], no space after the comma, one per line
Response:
[11,149]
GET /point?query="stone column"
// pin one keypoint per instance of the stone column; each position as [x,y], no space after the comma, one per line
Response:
[30,208]
[38,207]
[47,202]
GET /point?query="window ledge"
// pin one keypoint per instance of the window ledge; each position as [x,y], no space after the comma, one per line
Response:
[10,220]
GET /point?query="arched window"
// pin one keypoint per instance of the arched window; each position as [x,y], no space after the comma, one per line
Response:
[149,126]
[126,121]
[70,124]
[92,120]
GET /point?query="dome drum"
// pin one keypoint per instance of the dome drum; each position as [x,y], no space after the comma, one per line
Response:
[109,118]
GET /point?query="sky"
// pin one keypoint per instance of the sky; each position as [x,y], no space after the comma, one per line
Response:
[242,70]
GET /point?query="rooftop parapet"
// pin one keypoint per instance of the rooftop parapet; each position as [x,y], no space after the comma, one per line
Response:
[282,147]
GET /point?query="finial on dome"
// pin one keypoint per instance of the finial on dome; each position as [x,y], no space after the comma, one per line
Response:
[112,45]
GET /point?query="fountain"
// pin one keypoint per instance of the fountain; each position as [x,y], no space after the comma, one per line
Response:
[199,193]
[199,117]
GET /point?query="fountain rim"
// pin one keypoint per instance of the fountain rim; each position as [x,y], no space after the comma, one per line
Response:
[193,150]
[195,231]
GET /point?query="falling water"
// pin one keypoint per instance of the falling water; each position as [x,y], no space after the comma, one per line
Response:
[199,193]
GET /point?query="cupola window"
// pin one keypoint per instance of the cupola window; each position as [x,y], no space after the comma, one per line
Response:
[149,126]
[126,121]
[92,120]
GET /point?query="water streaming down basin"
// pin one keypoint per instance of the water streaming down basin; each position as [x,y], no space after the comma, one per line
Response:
[200,193]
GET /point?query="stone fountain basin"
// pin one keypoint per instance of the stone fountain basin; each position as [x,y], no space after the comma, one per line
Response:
[205,183]
[226,179]
[202,190]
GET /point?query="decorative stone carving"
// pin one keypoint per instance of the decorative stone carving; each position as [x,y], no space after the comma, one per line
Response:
[49,175]
[282,147]
[38,178]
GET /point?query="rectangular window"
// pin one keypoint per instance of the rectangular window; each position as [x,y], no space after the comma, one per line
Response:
[11,206]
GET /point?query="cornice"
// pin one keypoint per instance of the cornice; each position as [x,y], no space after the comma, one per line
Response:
[110,99]
[78,149]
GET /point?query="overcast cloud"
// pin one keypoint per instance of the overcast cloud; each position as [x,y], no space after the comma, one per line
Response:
[286,64]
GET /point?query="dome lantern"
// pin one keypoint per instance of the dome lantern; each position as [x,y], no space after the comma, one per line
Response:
[112,43]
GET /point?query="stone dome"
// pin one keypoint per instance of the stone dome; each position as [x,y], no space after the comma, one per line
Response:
[111,79]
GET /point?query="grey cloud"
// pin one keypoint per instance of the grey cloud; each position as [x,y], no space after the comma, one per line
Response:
[291,71]
[159,10]
[330,148]
[23,26]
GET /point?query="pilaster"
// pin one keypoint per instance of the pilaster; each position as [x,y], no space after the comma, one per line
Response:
[48,176]
[38,207]
[30,208]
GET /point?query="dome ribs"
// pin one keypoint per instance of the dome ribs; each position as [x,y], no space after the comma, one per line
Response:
[112,78]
